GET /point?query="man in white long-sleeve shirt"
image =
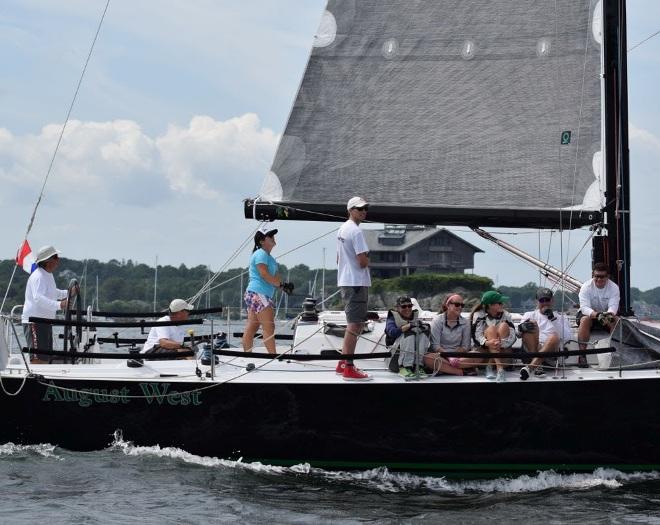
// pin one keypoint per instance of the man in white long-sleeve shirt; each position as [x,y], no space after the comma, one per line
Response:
[599,304]
[42,299]
[542,330]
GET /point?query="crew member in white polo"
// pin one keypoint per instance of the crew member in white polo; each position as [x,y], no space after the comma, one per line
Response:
[42,299]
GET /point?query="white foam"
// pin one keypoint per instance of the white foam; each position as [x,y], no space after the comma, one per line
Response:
[383,480]
[43,449]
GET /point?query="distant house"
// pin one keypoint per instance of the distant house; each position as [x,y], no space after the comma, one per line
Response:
[403,250]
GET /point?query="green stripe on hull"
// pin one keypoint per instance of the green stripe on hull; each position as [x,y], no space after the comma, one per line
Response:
[463,470]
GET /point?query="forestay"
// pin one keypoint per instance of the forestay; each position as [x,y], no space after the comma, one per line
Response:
[486,112]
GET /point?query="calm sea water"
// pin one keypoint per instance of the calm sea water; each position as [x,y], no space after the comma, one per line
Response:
[127,484]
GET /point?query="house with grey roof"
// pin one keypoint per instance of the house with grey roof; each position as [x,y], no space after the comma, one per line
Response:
[401,249]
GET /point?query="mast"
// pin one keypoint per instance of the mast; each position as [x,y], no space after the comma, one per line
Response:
[614,247]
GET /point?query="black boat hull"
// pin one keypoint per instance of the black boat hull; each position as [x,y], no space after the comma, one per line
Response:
[428,426]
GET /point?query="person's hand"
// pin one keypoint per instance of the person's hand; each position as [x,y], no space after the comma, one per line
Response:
[75,290]
[63,304]
[287,288]
[494,344]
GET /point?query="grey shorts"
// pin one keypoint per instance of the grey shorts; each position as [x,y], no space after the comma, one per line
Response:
[355,303]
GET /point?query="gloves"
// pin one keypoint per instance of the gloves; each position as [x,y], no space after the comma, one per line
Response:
[287,288]
[526,327]
[549,314]
[605,318]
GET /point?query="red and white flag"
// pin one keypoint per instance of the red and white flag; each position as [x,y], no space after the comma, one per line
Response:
[25,258]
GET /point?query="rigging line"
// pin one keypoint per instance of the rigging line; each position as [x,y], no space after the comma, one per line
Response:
[279,258]
[59,141]
[66,120]
[11,279]
[231,258]
[643,41]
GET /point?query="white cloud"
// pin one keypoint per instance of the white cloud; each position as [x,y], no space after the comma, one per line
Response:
[644,138]
[118,161]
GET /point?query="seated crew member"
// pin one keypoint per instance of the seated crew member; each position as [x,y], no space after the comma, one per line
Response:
[169,338]
[405,332]
[542,330]
[599,304]
[450,332]
[493,329]
[42,299]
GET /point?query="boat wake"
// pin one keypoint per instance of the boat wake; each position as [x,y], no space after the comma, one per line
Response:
[383,480]
[43,449]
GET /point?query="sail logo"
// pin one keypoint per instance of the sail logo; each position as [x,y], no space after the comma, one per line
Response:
[153,393]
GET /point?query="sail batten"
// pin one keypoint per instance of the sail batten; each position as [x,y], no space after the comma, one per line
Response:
[481,105]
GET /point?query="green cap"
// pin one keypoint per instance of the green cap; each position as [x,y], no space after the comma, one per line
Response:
[492,297]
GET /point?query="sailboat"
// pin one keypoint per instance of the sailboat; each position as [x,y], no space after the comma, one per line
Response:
[481,113]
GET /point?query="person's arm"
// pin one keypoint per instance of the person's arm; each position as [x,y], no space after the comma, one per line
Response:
[166,338]
[479,329]
[363,259]
[42,300]
[466,338]
[585,301]
[391,329]
[361,248]
[270,279]
[613,303]
[436,333]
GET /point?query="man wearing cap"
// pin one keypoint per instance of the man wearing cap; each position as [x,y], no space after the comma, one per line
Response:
[599,304]
[404,332]
[542,330]
[353,279]
[42,299]
[169,338]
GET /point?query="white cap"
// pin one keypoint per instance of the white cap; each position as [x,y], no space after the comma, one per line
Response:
[178,305]
[356,202]
[267,229]
[45,253]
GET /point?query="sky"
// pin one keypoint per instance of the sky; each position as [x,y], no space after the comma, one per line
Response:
[177,121]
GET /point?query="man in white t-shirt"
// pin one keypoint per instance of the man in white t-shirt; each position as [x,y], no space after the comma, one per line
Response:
[169,338]
[542,330]
[354,280]
[599,304]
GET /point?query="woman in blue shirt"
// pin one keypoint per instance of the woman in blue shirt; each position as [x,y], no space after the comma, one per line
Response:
[261,289]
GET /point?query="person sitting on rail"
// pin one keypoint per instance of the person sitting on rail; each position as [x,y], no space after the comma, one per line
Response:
[450,332]
[407,334]
[493,329]
[163,339]
[599,304]
[542,330]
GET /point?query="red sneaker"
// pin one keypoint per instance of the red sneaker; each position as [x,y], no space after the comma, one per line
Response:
[353,373]
[340,367]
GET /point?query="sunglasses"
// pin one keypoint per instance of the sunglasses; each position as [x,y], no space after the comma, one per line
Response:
[362,208]
[405,306]
[459,305]
[545,300]
[600,276]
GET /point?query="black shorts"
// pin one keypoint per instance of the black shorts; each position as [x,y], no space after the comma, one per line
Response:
[39,336]
[595,323]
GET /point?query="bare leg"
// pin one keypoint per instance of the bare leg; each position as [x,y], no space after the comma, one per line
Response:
[550,345]
[267,320]
[251,328]
[434,362]
[353,330]
[491,334]
[531,341]
[584,332]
